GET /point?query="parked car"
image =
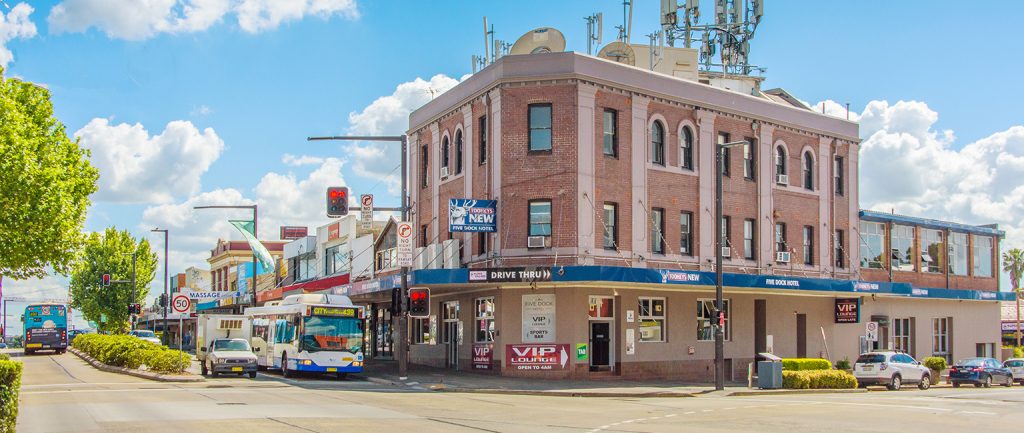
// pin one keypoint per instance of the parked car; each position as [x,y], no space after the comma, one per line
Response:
[1016,366]
[145,334]
[74,333]
[891,369]
[3,345]
[228,355]
[980,372]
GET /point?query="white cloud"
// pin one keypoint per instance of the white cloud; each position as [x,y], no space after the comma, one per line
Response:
[138,168]
[15,25]
[297,161]
[142,19]
[389,115]
[201,110]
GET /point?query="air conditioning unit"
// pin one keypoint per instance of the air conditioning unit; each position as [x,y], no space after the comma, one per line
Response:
[538,241]
[782,179]
[420,258]
[782,257]
[726,252]
[444,172]
[451,254]
[434,257]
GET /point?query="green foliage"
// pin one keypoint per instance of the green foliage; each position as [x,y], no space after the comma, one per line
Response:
[1013,264]
[1018,351]
[10,384]
[110,252]
[818,379]
[843,364]
[45,182]
[797,364]
[131,352]
[935,363]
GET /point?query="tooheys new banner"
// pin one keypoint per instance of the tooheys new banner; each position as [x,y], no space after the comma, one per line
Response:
[262,255]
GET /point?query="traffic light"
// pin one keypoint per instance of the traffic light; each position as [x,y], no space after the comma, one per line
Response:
[105,281]
[134,308]
[163,300]
[419,302]
[337,201]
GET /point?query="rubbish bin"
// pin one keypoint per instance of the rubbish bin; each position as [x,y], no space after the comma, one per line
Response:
[769,372]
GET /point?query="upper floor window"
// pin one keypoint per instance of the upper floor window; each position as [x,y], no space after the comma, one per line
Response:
[749,239]
[424,160]
[727,235]
[445,155]
[749,164]
[657,231]
[610,132]
[780,161]
[982,256]
[336,260]
[902,248]
[483,139]
[540,218]
[611,229]
[686,149]
[780,238]
[686,233]
[958,253]
[458,152]
[932,251]
[840,176]
[840,250]
[723,138]
[658,143]
[808,171]
[808,245]
[540,126]
[872,244]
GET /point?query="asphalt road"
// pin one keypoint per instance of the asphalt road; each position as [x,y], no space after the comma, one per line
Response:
[60,393]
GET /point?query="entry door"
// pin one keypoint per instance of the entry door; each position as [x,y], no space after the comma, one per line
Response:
[801,335]
[600,345]
[450,333]
[760,327]
[382,332]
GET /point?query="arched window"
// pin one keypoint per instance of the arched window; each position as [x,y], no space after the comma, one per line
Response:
[780,162]
[686,149]
[808,171]
[458,152]
[658,143]
[445,155]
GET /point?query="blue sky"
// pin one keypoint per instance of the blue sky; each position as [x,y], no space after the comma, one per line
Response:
[263,90]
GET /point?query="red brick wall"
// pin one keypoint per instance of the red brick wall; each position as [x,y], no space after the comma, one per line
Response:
[609,171]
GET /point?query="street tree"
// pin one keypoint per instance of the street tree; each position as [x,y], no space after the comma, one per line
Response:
[1013,264]
[110,252]
[45,182]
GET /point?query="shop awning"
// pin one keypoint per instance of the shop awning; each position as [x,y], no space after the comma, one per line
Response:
[302,287]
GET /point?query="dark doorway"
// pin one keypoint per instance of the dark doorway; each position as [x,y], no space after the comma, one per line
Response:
[760,327]
[801,335]
[600,346]
[381,329]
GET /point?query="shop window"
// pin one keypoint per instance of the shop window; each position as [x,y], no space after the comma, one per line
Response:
[932,251]
[601,307]
[982,256]
[540,127]
[484,320]
[657,143]
[611,228]
[686,149]
[706,319]
[657,231]
[958,253]
[901,334]
[940,338]
[611,132]
[652,320]
[902,248]
[686,233]
[540,218]
[872,244]
[421,331]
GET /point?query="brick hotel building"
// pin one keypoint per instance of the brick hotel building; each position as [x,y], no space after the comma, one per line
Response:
[603,257]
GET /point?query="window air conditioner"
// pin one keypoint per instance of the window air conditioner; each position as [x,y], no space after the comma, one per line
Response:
[726,251]
[782,179]
[538,241]
[444,172]
[782,257]
[451,254]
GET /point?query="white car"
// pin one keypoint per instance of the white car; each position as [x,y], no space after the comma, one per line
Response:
[891,369]
[1016,366]
[228,355]
[146,335]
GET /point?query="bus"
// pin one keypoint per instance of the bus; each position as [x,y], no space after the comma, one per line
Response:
[309,333]
[45,328]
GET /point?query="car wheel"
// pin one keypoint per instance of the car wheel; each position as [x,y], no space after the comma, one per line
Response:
[896,383]
[252,375]
[284,365]
[1009,381]
[203,370]
[956,384]
[988,382]
[926,382]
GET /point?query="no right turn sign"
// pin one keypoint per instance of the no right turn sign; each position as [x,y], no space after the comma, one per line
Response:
[871,331]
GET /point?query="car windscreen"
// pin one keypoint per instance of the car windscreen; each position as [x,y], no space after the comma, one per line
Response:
[871,358]
[231,345]
[332,333]
[145,334]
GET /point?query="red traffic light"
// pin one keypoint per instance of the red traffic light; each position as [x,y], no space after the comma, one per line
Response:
[106,280]
[337,201]
[419,302]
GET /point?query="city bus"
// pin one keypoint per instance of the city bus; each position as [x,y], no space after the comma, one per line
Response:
[45,328]
[309,333]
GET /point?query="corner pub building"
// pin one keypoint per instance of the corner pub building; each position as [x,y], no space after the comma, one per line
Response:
[602,262]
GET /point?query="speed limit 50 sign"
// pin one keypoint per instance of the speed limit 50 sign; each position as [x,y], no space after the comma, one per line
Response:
[181,303]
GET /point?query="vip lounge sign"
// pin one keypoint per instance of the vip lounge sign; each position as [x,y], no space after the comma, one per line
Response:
[537,356]
[483,354]
[468,215]
[848,310]
[539,318]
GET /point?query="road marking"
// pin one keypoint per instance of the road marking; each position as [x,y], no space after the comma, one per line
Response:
[977,412]
[672,415]
[836,401]
[707,410]
[729,408]
[688,413]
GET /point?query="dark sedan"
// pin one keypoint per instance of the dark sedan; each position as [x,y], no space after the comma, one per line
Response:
[980,372]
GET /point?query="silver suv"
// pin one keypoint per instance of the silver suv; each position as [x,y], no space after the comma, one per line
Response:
[891,369]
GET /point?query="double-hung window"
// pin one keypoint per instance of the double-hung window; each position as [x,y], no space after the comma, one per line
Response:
[610,134]
[840,251]
[780,238]
[658,143]
[808,171]
[749,163]
[539,123]
[611,229]
[723,138]
[540,218]
[652,319]
[658,230]
[940,337]
[483,139]
[686,149]
[686,233]
[808,245]
[749,239]
[459,152]
[839,175]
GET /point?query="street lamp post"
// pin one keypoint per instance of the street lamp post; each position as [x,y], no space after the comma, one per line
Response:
[403,328]
[167,295]
[719,243]
[255,234]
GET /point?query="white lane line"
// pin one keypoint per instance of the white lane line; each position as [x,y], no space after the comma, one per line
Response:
[688,413]
[729,408]
[861,404]
[977,412]
[707,410]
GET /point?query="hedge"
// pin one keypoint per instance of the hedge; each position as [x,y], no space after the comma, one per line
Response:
[818,379]
[131,352]
[10,383]
[798,364]
[935,363]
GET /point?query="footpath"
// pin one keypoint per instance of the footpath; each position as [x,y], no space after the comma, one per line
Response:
[444,380]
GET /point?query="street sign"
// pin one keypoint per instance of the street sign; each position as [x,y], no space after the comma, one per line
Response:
[405,237]
[366,211]
[181,303]
[871,331]
[536,356]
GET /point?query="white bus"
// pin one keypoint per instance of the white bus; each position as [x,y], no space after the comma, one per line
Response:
[312,332]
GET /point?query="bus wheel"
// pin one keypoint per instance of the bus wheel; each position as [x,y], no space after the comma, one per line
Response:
[284,365]
[340,375]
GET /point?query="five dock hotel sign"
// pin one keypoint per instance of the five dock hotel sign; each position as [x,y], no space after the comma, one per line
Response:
[539,318]
[847,310]
[468,215]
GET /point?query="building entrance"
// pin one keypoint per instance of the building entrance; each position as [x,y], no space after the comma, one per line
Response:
[600,346]
[451,335]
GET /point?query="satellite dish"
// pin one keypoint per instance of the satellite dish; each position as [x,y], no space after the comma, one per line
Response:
[618,51]
[542,40]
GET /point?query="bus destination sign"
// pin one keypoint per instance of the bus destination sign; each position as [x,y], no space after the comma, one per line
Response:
[334,311]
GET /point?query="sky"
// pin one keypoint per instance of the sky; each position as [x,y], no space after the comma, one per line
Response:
[189,102]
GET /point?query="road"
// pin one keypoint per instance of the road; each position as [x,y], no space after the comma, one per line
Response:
[61,393]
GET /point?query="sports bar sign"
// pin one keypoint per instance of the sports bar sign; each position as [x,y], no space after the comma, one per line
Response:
[847,310]
[537,356]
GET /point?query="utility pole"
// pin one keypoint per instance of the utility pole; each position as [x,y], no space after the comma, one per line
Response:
[402,345]
[167,295]
[134,255]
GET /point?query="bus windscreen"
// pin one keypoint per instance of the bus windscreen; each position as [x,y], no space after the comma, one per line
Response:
[332,334]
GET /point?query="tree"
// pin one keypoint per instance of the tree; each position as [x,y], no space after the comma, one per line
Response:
[1013,264]
[110,252]
[45,182]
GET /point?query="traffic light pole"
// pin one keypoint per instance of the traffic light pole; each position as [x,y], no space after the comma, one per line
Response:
[402,345]
[134,255]
[167,297]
